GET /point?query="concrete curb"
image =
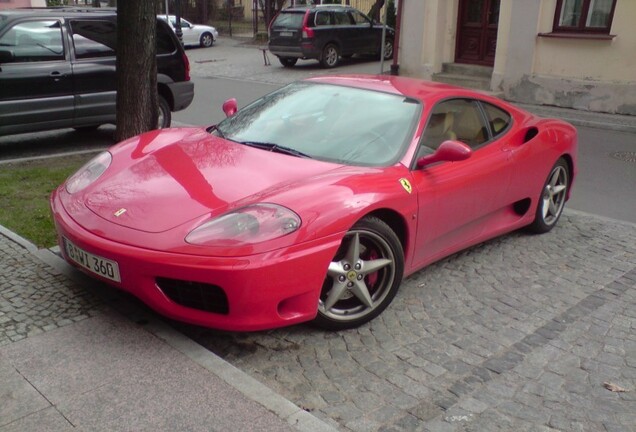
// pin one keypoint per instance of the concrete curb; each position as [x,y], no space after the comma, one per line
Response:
[251,388]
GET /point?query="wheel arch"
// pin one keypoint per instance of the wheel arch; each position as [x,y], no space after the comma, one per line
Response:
[396,222]
[570,162]
[165,92]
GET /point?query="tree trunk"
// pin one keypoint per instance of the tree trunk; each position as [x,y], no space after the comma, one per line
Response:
[374,13]
[137,104]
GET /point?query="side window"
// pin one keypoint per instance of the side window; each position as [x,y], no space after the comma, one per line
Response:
[93,38]
[498,118]
[360,19]
[323,18]
[342,18]
[165,39]
[34,41]
[455,119]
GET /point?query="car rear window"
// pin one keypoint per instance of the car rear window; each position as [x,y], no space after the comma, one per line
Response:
[289,19]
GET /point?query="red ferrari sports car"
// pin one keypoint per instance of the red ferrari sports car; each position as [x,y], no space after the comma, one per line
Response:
[313,202]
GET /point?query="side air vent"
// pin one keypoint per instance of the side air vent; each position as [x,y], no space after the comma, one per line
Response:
[530,133]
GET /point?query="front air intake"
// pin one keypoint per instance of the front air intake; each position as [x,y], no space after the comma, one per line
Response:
[195,295]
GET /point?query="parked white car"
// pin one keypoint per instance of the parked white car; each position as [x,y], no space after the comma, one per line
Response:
[193,34]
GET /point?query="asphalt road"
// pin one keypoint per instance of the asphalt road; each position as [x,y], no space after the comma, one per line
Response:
[230,69]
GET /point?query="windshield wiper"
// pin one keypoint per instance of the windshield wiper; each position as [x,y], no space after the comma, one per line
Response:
[275,148]
[218,131]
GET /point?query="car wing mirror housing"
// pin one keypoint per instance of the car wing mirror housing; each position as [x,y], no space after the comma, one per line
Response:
[230,107]
[448,151]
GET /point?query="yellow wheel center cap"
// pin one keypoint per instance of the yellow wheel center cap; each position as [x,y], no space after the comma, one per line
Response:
[352,275]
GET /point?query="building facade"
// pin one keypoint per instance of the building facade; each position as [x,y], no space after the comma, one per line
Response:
[10,4]
[570,53]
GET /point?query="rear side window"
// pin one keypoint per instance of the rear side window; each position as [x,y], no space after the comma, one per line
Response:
[93,38]
[289,19]
[165,40]
[324,18]
[33,41]
[498,118]
[342,18]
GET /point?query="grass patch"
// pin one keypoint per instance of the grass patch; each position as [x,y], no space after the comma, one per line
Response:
[25,188]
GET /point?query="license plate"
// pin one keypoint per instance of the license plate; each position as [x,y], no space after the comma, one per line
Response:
[93,263]
[286,34]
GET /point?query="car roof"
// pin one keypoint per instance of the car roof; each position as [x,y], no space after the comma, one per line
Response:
[58,11]
[317,7]
[410,87]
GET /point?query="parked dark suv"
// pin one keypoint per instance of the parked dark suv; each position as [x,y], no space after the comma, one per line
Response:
[57,70]
[326,33]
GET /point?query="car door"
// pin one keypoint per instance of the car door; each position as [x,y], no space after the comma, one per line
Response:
[364,36]
[460,201]
[94,74]
[190,33]
[36,87]
[344,32]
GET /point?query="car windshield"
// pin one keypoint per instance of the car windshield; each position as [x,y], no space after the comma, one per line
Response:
[328,122]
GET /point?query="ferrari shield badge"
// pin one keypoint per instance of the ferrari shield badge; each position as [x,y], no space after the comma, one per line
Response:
[406,185]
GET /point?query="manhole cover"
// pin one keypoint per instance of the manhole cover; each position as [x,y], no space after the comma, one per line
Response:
[624,156]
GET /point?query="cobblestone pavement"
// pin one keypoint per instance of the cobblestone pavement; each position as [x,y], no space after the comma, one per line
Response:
[35,298]
[519,333]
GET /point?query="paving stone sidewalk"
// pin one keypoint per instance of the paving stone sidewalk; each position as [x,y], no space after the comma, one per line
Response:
[519,333]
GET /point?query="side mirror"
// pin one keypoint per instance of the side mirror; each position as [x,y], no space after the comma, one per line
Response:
[451,151]
[230,107]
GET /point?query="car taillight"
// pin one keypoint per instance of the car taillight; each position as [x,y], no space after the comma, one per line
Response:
[308,33]
[186,61]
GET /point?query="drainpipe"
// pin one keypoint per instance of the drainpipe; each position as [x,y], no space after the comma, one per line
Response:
[395,67]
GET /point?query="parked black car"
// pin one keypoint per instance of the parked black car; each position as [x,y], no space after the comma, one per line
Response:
[57,70]
[326,33]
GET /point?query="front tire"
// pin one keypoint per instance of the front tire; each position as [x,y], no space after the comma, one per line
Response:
[552,198]
[330,56]
[206,40]
[363,277]
[165,116]
[388,49]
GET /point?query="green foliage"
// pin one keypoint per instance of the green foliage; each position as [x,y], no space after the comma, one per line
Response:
[390,13]
[55,3]
[24,192]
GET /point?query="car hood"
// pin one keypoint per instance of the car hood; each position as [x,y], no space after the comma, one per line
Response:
[164,179]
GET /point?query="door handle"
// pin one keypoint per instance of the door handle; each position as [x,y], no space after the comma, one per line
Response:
[57,75]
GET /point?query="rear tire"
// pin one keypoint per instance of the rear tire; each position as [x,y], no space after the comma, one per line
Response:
[288,62]
[330,56]
[165,116]
[552,198]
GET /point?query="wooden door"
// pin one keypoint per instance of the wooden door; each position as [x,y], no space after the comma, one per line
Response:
[477,32]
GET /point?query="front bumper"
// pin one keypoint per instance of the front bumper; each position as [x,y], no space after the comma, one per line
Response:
[268,290]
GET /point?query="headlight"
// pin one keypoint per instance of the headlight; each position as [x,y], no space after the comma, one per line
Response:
[248,225]
[89,172]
